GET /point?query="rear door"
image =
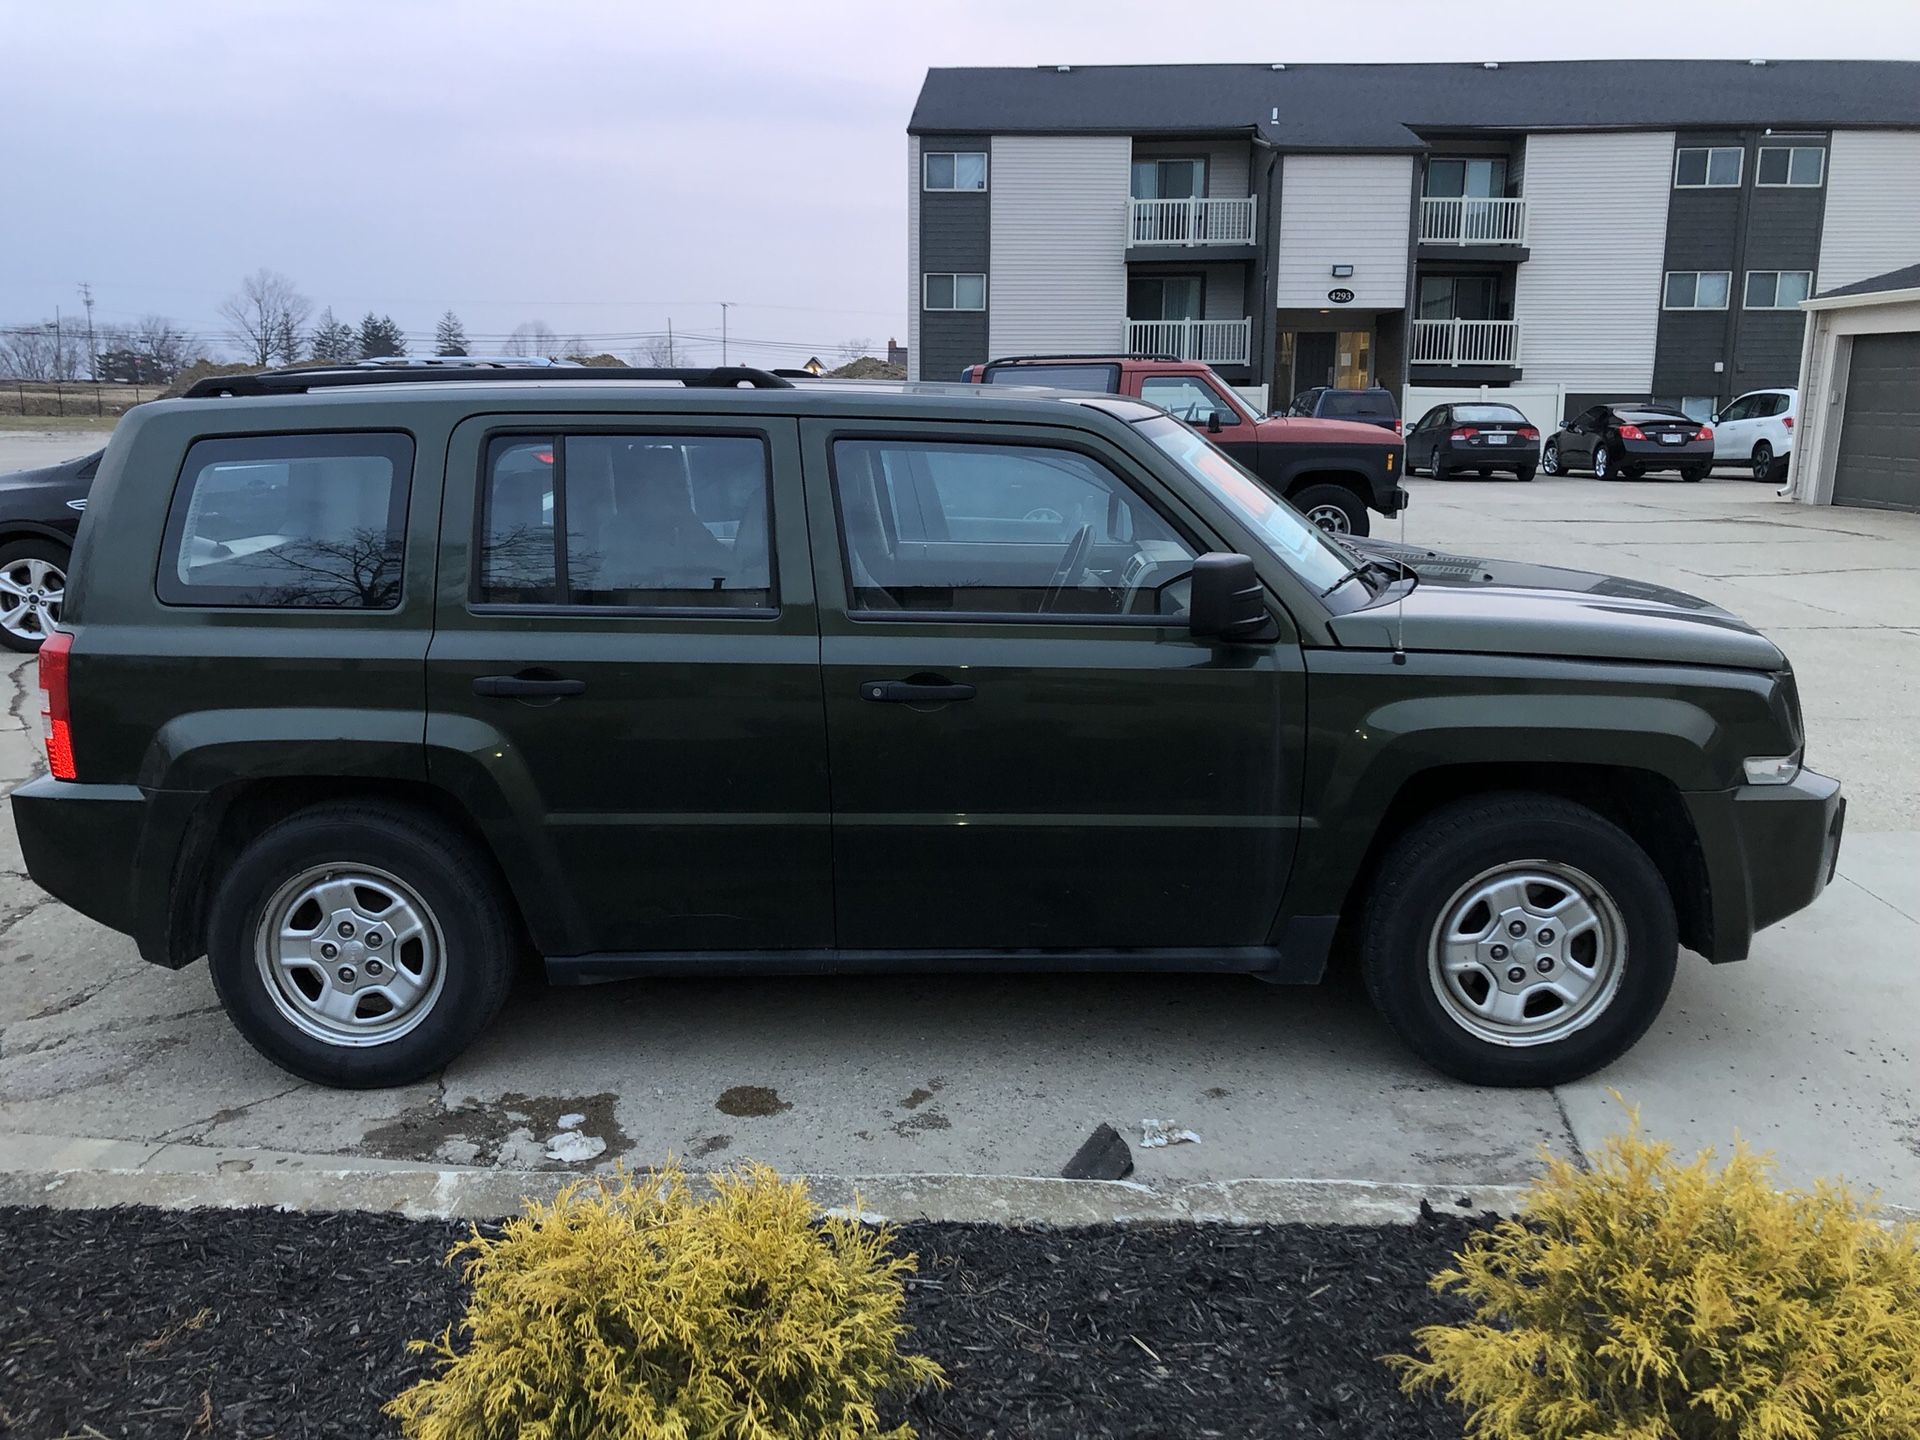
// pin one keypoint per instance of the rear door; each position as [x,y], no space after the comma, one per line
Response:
[624,676]
[1029,750]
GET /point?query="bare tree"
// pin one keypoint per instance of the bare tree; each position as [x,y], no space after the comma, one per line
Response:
[533,337]
[264,315]
[663,352]
[27,352]
[855,349]
[164,345]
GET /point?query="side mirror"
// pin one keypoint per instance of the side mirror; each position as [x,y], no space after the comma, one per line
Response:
[1226,600]
[1213,422]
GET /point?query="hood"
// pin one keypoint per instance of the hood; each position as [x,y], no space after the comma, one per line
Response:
[1305,430]
[64,473]
[1510,607]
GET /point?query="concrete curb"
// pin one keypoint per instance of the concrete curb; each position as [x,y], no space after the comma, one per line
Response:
[78,1173]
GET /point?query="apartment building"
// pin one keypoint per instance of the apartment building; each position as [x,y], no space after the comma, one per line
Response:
[1611,229]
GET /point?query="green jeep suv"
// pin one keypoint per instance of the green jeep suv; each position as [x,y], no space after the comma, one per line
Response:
[371,685]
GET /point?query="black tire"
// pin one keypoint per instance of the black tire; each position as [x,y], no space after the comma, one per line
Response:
[36,618]
[1766,468]
[1438,468]
[1482,474]
[1694,474]
[461,892]
[1329,498]
[1427,867]
[1603,468]
[1550,458]
[1523,474]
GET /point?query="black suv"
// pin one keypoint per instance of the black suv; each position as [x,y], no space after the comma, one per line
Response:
[372,683]
[39,513]
[1374,405]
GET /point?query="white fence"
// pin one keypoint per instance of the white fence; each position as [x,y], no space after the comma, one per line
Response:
[1466,342]
[1224,221]
[1472,220]
[1217,342]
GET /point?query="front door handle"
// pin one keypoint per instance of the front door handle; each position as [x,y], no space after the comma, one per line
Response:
[527,687]
[913,692]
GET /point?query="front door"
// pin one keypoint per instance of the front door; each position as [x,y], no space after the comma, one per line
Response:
[624,675]
[1733,432]
[1314,352]
[1029,750]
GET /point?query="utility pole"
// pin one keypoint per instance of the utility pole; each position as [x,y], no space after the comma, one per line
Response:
[725,305]
[86,298]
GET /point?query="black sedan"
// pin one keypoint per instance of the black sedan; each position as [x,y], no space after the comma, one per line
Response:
[1478,438]
[1630,440]
[39,512]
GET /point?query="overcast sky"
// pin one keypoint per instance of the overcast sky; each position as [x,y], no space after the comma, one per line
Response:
[604,167]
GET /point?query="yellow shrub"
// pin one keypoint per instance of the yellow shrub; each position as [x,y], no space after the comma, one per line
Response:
[627,1310]
[1649,1300]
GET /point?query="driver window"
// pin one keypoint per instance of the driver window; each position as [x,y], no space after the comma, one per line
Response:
[1740,409]
[1186,398]
[1001,529]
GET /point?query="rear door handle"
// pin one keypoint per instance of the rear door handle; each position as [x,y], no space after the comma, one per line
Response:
[527,687]
[913,692]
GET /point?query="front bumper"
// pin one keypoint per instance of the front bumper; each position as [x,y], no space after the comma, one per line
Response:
[1769,851]
[1390,500]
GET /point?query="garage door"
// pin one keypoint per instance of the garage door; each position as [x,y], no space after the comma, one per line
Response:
[1879,462]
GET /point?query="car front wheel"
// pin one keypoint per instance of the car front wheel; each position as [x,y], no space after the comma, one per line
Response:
[33,591]
[360,944]
[1333,508]
[1518,940]
[1550,458]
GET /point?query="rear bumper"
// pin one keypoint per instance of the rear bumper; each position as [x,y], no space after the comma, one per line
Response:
[1769,850]
[1491,457]
[1652,455]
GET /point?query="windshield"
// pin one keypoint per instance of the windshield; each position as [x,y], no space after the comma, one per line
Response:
[1300,544]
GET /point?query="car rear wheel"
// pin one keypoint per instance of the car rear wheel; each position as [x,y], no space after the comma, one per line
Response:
[1438,469]
[1603,464]
[1550,458]
[360,944]
[1525,472]
[1694,474]
[1333,509]
[33,591]
[1764,462]
[1518,940]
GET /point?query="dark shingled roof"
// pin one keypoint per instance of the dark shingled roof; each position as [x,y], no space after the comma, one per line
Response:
[1907,277]
[1380,107]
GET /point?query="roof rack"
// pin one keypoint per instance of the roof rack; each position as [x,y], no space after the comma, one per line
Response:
[1086,355]
[301,379]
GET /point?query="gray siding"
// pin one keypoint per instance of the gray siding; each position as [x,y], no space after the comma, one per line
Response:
[955,234]
[1783,233]
[1703,233]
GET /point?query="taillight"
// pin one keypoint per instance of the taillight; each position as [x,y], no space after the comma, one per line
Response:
[1528,432]
[1396,427]
[1705,432]
[55,724]
[1463,432]
[1632,432]
[1787,420]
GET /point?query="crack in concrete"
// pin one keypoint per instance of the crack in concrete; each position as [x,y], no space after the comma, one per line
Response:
[206,1125]
[110,1027]
[1566,1123]
[20,913]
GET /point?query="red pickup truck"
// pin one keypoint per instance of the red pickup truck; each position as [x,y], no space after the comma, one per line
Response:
[1333,471]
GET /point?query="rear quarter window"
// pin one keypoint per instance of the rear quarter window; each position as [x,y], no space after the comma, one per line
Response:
[1058,377]
[289,522]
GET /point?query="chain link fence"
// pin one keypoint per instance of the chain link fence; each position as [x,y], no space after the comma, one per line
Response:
[58,399]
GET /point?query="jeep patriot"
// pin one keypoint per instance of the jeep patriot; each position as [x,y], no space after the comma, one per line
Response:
[371,684]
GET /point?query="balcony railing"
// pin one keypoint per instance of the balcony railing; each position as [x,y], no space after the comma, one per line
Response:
[1466,342]
[1226,221]
[1215,342]
[1472,220]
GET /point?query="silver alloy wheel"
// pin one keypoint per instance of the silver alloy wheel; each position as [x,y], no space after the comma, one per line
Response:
[1550,458]
[350,955]
[1600,462]
[32,593]
[1527,953]
[1331,518]
[1763,461]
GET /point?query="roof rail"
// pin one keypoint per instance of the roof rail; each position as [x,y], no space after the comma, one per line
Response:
[328,377]
[1087,355]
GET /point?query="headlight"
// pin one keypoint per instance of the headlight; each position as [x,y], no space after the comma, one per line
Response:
[1771,769]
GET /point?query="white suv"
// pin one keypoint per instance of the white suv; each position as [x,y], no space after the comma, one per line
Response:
[1756,429]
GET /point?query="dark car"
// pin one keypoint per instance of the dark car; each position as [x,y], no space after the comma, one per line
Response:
[1374,405]
[1331,471]
[1478,438]
[39,512]
[372,686]
[1630,440]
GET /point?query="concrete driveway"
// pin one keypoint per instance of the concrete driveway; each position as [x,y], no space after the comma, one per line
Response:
[1808,1048]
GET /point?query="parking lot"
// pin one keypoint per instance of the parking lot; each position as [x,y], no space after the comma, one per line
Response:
[1808,1047]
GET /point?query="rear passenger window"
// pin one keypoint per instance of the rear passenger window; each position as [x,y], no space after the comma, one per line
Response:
[635,521]
[1001,529]
[289,521]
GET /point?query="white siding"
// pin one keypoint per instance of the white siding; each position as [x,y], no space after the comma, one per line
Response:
[1058,237]
[1344,210]
[1229,164]
[1873,202]
[913,257]
[1588,299]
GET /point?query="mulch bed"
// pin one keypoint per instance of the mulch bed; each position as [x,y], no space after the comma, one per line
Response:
[139,1322]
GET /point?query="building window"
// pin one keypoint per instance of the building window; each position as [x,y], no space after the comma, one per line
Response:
[1697,407]
[1698,289]
[955,292]
[1777,289]
[1798,165]
[954,170]
[1181,179]
[1712,167]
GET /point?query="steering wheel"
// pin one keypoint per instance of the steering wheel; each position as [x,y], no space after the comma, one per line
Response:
[1046,513]
[1071,564]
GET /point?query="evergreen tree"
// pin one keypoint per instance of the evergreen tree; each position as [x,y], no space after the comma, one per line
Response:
[332,340]
[450,336]
[380,337]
